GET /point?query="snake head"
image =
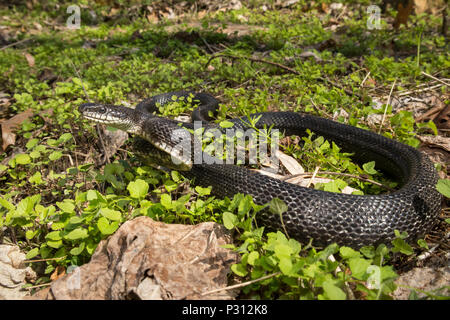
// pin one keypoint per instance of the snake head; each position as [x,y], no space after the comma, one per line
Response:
[119,117]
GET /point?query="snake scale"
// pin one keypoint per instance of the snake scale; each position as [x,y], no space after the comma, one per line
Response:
[352,220]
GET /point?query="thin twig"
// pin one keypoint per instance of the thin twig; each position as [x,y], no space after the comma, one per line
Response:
[434,78]
[15,43]
[338,174]
[40,260]
[39,285]
[365,78]
[313,176]
[387,104]
[405,93]
[243,284]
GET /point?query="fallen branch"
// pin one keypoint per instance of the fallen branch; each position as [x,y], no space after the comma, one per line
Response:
[387,104]
[434,78]
[243,284]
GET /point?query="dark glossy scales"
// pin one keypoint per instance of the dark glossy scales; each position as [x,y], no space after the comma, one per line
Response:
[326,217]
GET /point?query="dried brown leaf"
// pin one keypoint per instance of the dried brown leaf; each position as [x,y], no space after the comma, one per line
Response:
[59,272]
[10,125]
[289,163]
[30,59]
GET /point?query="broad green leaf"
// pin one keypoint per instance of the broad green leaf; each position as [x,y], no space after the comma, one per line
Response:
[113,215]
[443,186]
[252,257]
[76,234]
[75,220]
[226,124]
[400,235]
[230,220]
[65,137]
[54,244]
[26,205]
[368,251]
[334,185]
[277,206]
[422,243]
[105,227]
[23,158]
[333,292]
[203,191]
[31,143]
[369,167]
[245,206]
[66,206]
[348,253]
[35,154]
[36,178]
[6,204]
[138,189]
[282,251]
[91,195]
[239,269]
[78,250]
[166,201]
[401,246]
[285,265]
[30,234]
[170,185]
[113,169]
[358,266]
[55,155]
[388,273]
[32,253]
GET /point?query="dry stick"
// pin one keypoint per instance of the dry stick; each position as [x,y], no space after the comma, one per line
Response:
[349,92]
[39,285]
[434,78]
[243,284]
[365,78]
[15,43]
[338,174]
[313,176]
[385,108]
[405,93]
[40,260]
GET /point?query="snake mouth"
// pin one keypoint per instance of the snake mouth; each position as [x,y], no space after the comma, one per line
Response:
[101,113]
[115,116]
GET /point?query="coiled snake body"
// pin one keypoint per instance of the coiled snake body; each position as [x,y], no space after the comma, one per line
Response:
[352,220]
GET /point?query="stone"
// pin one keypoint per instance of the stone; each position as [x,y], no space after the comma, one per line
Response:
[13,273]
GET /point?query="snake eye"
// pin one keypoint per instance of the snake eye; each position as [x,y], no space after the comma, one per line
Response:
[101,110]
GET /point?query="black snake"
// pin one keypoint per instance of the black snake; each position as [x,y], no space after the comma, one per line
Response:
[326,217]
